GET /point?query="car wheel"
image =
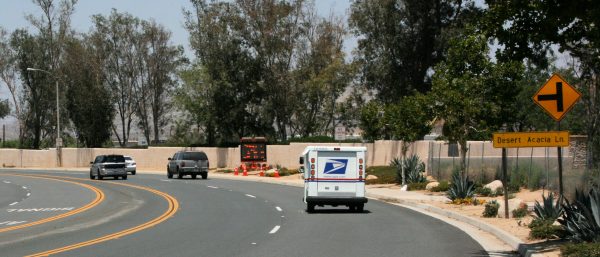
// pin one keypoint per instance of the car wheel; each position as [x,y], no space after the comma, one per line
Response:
[310,207]
[169,174]
[124,177]
[133,172]
[92,175]
[204,176]
[100,177]
[194,176]
[179,176]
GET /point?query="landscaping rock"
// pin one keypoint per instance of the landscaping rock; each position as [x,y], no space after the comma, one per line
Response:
[494,185]
[371,177]
[512,204]
[430,178]
[431,185]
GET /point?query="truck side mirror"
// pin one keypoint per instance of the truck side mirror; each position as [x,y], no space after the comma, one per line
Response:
[91,162]
[301,161]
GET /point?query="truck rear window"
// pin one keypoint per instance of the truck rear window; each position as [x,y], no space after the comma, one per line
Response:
[196,156]
[114,158]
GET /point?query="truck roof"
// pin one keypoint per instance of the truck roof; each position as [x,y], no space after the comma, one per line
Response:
[335,148]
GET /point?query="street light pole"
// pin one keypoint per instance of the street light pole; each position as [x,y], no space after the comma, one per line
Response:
[58,138]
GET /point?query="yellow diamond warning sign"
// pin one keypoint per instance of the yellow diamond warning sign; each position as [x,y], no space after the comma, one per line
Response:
[556,97]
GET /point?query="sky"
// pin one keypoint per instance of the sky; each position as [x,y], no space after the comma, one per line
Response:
[169,13]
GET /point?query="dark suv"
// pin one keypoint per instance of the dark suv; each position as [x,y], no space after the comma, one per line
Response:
[108,166]
[188,163]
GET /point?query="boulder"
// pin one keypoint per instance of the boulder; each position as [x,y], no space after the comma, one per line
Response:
[431,185]
[494,185]
[371,177]
[430,178]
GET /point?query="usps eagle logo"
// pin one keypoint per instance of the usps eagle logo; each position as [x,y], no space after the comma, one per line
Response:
[336,166]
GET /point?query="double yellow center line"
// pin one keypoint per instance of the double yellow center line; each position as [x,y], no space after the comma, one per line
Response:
[171,210]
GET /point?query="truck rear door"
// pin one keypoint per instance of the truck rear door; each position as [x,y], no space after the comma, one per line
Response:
[337,173]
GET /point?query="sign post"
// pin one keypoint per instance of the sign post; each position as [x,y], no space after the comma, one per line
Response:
[557,98]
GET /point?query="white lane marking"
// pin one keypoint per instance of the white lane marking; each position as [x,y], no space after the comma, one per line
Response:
[10,223]
[250,196]
[213,187]
[13,203]
[7,182]
[40,209]
[28,194]
[279,209]
[282,216]
[253,243]
[24,187]
[274,230]
[165,180]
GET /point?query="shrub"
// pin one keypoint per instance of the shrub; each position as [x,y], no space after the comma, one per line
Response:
[581,219]
[414,169]
[460,188]
[384,174]
[442,187]
[544,229]
[550,211]
[520,212]
[417,186]
[582,249]
[484,191]
[491,209]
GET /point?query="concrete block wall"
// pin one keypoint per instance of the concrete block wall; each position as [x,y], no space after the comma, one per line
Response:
[155,158]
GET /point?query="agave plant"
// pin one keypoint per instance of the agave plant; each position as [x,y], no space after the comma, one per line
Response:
[550,211]
[581,219]
[413,169]
[461,187]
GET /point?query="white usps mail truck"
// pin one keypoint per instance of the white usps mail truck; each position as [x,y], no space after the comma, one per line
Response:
[334,176]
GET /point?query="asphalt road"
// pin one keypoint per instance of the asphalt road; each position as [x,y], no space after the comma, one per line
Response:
[67,214]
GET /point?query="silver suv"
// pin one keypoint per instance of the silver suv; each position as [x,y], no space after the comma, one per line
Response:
[188,163]
[108,166]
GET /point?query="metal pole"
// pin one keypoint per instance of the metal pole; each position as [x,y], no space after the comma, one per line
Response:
[58,138]
[505,182]
[3,134]
[560,169]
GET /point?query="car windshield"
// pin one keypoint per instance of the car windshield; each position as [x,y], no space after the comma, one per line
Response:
[128,158]
[194,156]
[114,158]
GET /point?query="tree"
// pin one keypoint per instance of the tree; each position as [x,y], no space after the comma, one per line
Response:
[528,29]
[409,120]
[371,120]
[117,40]
[401,40]
[37,91]
[8,74]
[4,109]
[160,63]
[88,100]
[473,95]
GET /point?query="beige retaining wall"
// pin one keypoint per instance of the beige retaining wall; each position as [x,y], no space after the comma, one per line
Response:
[378,153]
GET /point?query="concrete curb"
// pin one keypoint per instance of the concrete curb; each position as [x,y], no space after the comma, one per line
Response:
[509,239]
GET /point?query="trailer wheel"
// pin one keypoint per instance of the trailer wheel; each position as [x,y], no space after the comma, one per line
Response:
[310,207]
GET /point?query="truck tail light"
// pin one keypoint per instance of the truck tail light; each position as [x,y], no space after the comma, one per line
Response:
[312,172]
[312,160]
[360,160]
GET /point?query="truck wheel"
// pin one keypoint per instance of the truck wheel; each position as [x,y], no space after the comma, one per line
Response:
[124,177]
[310,207]
[193,176]
[352,207]
[169,175]
[92,175]
[204,176]
[360,207]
